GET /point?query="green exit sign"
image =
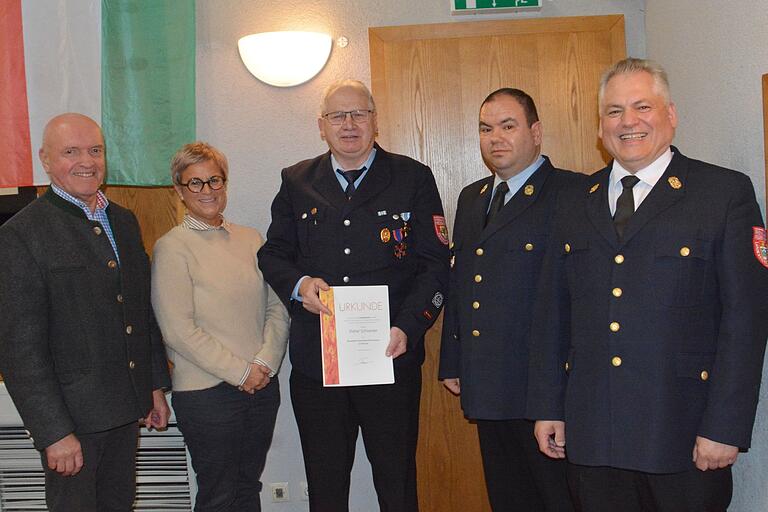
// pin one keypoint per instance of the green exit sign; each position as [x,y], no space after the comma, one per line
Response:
[490,5]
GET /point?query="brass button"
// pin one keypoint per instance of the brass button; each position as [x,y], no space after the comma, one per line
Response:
[478,278]
[128,329]
[615,326]
[347,250]
[479,251]
[112,264]
[567,247]
[475,305]
[567,366]
[529,246]
[120,298]
[476,333]
[617,292]
[131,365]
[619,259]
[345,279]
[347,222]
[97,230]
[616,361]
[704,374]
[685,251]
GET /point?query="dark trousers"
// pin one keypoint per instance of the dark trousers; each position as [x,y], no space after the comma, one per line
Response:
[328,421]
[107,481]
[517,475]
[228,433]
[604,489]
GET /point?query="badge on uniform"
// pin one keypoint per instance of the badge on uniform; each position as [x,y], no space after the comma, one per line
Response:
[594,187]
[400,250]
[385,235]
[674,182]
[398,234]
[760,245]
[528,190]
[437,300]
[441,230]
[482,190]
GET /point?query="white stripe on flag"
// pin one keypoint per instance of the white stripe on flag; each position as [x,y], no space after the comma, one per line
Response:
[471,4]
[62,52]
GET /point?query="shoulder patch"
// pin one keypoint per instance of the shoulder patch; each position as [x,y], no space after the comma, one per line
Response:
[760,245]
[441,229]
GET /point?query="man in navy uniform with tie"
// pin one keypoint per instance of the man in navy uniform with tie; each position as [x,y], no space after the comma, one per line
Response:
[357,215]
[649,336]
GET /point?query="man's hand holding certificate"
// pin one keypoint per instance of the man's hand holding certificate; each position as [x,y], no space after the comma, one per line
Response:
[355,337]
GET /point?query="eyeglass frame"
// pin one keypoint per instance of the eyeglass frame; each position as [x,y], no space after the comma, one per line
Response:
[349,113]
[204,183]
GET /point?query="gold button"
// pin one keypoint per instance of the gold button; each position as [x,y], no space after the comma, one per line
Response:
[120,297]
[475,305]
[478,278]
[617,292]
[476,333]
[567,366]
[567,247]
[615,326]
[619,259]
[704,374]
[347,222]
[131,365]
[529,247]
[112,264]
[97,230]
[128,329]
[479,251]
[616,361]
[685,251]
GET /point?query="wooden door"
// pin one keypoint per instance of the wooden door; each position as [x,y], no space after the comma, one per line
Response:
[428,82]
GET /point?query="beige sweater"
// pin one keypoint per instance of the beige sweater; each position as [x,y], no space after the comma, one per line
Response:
[216,312]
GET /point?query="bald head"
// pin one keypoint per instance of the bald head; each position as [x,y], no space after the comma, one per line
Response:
[62,121]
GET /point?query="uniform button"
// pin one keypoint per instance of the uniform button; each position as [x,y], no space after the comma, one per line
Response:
[131,365]
[395,216]
[478,278]
[567,366]
[567,247]
[345,279]
[97,230]
[617,292]
[615,326]
[616,361]
[304,215]
[120,298]
[347,222]
[128,329]
[704,375]
[475,305]
[619,259]
[685,251]
[347,250]
[479,251]
[529,246]
[476,333]
[112,264]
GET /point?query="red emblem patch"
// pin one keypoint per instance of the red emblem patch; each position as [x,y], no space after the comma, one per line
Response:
[441,230]
[760,245]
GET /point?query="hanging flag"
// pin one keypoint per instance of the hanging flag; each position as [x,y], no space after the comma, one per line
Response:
[14,118]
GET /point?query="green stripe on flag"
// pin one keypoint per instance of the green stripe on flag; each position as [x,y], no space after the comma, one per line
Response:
[148,86]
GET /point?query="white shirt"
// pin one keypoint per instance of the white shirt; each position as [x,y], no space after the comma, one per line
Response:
[648,177]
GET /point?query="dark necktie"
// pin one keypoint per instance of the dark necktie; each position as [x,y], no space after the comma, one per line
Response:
[351,177]
[625,205]
[498,201]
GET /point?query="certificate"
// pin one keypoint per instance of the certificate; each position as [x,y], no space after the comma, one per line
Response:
[355,336]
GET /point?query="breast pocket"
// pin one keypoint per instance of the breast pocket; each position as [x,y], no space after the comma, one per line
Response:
[681,271]
[526,255]
[579,266]
[310,227]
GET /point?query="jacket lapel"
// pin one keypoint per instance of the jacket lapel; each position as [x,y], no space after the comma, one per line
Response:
[598,210]
[326,184]
[376,180]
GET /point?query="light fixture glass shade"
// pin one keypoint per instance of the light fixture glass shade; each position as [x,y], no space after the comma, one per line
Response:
[285,59]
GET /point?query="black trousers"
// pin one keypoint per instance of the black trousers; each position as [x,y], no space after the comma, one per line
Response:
[517,475]
[107,481]
[604,489]
[228,433]
[329,420]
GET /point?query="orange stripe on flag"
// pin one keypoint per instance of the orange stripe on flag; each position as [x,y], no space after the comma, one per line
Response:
[16,171]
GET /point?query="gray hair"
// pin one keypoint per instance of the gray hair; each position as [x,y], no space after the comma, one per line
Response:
[196,153]
[632,65]
[345,82]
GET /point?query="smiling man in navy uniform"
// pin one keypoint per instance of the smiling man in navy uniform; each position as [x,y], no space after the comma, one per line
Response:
[357,215]
[502,225]
[648,342]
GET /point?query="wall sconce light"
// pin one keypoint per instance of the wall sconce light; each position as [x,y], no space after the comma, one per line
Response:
[285,59]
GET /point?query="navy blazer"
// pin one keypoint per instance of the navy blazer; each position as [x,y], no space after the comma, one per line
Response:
[494,275]
[316,231]
[642,345]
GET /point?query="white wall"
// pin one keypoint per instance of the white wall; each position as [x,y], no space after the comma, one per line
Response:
[263,129]
[716,53]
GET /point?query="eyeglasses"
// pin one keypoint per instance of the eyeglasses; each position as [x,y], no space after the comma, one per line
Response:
[358,116]
[197,185]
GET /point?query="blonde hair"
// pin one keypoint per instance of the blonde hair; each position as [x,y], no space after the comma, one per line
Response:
[194,153]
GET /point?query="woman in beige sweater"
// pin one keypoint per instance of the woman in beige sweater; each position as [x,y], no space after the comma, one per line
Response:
[226,333]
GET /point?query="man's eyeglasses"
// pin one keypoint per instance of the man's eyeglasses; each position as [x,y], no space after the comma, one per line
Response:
[197,185]
[358,116]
